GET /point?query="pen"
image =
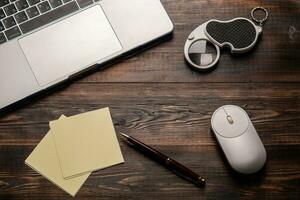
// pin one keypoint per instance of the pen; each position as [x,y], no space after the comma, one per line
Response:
[166,161]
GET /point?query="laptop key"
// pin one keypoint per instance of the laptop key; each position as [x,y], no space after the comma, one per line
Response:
[33,2]
[32,12]
[49,17]
[44,6]
[22,4]
[2,38]
[66,1]
[9,22]
[1,26]
[84,3]
[4,2]
[12,33]
[55,3]
[21,17]
[10,9]
[2,14]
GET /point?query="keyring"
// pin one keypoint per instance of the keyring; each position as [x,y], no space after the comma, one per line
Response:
[259,21]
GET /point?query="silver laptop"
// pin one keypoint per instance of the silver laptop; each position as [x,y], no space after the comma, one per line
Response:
[45,42]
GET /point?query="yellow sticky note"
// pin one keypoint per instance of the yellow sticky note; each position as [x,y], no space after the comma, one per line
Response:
[44,160]
[86,142]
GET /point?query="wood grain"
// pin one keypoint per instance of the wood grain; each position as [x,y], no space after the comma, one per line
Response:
[155,97]
[275,58]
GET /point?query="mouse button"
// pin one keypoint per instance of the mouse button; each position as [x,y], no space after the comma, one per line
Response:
[239,117]
[230,122]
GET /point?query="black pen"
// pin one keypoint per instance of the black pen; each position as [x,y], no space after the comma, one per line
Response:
[166,161]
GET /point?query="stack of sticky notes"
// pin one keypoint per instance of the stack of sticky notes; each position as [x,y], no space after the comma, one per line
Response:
[74,147]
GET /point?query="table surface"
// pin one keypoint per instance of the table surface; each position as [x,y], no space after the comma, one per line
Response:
[155,97]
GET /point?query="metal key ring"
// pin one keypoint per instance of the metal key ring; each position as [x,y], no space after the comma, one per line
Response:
[259,21]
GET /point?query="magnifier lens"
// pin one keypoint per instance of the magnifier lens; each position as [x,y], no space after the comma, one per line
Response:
[202,53]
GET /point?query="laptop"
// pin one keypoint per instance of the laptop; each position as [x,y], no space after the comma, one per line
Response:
[46,42]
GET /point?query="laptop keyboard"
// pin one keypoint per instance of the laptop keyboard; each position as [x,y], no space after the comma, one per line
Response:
[18,17]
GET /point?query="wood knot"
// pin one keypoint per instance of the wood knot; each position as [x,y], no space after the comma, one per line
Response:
[121,122]
[3,184]
[292,32]
[132,181]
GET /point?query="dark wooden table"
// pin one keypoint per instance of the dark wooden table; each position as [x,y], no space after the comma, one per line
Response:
[155,97]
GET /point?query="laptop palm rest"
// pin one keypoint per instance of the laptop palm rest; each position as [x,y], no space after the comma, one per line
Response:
[70,45]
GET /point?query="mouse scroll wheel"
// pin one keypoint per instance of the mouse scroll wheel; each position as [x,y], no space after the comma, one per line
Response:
[229,119]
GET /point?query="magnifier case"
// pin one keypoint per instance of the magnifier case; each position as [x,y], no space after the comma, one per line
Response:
[239,34]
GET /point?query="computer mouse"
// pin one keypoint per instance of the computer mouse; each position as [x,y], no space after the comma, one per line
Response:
[238,139]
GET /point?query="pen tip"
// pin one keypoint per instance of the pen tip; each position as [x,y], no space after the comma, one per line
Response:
[124,135]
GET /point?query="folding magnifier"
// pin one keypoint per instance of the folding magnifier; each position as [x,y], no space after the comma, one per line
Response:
[202,48]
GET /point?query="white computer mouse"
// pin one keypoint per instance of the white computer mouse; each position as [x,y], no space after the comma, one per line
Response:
[238,139]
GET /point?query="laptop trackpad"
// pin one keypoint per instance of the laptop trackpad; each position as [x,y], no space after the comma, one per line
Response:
[70,45]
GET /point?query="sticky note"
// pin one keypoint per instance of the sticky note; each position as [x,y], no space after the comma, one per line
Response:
[44,160]
[86,142]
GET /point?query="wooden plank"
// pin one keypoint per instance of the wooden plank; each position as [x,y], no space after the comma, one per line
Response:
[275,59]
[170,111]
[141,178]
